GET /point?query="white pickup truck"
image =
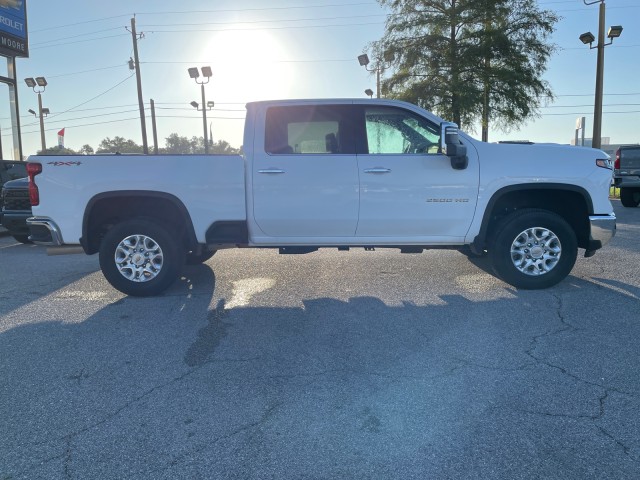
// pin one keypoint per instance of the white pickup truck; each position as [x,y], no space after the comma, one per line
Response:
[329,173]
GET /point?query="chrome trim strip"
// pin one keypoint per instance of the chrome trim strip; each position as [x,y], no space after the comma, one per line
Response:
[54,230]
[603,228]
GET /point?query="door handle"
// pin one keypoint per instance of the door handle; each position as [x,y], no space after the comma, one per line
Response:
[377,170]
[271,170]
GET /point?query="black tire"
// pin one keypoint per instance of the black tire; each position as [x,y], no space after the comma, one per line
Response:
[22,238]
[155,258]
[198,258]
[533,266]
[466,250]
[630,197]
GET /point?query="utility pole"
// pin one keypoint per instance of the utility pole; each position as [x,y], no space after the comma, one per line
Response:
[134,36]
[153,127]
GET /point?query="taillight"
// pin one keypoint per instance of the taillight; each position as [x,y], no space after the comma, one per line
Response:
[616,164]
[33,169]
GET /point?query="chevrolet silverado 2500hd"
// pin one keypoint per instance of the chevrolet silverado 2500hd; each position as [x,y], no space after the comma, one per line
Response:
[329,173]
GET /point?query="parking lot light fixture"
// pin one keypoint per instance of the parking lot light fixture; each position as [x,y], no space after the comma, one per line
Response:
[42,83]
[589,38]
[207,74]
[380,66]
[614,31]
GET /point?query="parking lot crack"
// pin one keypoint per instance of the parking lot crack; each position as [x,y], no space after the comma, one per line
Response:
[248,427]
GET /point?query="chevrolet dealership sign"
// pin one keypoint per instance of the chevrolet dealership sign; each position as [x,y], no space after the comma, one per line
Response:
[13,28]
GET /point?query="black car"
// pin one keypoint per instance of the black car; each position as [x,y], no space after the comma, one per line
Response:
[16,208]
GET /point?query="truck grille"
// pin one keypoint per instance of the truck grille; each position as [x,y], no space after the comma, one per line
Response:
[16,200]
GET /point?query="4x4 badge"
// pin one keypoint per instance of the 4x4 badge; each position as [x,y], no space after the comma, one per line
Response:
[64,164]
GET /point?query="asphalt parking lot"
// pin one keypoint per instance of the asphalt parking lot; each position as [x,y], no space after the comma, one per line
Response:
[355,365]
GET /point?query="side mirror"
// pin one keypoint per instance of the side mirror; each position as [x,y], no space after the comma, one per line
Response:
[452,147]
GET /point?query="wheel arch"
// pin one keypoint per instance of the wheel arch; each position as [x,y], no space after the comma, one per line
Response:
[571,202]
[107,208]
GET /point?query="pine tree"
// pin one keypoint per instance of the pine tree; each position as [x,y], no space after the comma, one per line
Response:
[468,60]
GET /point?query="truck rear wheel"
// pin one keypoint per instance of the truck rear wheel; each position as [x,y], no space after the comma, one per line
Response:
[630,197]
[533,249]
[140,257]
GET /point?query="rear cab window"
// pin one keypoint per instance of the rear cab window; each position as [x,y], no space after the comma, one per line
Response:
[308,130]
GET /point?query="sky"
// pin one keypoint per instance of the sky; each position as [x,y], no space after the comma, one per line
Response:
[260,50]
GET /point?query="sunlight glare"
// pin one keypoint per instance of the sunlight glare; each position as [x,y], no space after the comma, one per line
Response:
[247,66]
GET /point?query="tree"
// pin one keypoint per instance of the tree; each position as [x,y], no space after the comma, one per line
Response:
[118,145]
[223,147]
[86,150]
[57,151]
[175,144]
[468,60]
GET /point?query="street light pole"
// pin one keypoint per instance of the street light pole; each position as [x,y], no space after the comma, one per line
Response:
[588,38]
[206,73]
[596,141]
[42,83]
[42,140]
[204,121]
[380,66]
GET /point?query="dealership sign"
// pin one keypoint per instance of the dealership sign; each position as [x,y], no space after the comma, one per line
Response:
[13,28]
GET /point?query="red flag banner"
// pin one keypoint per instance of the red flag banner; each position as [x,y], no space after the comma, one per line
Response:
[61,138]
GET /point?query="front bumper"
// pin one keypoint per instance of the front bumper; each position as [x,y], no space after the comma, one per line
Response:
[602,230]
[44,231]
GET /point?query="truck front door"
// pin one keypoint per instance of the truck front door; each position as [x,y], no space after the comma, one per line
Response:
[407,188]
[305,172]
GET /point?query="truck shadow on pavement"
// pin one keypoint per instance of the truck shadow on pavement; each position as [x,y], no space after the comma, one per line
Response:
[183,385]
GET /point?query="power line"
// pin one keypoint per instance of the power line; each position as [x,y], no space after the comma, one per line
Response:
[75,36]
[82,125]
[79,41]
[261,9]
[93,98]
[102,19]
[86,71]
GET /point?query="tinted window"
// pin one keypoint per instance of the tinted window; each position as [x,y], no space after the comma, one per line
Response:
[12,170]
[308,130]
[393,130]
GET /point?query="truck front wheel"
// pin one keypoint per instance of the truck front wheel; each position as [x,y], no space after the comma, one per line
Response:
[140,257]
[630,197]
[533,249]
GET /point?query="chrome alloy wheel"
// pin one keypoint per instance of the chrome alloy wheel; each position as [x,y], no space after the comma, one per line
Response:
[536,251]
[139,258]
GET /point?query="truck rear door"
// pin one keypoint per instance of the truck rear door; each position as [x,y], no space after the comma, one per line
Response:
[305,172]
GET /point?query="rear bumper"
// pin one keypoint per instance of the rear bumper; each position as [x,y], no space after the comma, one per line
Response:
[602,230]
[15,223]
[44,231]
[630,181]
